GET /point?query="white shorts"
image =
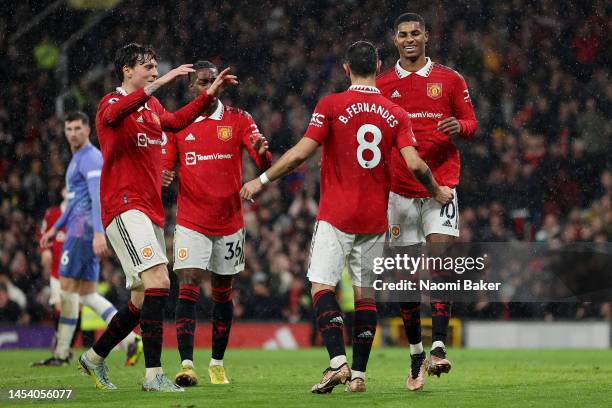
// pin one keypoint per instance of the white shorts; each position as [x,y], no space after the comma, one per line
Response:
[223,255]
[331,249]
[413,219]
[54,296]
[138,243]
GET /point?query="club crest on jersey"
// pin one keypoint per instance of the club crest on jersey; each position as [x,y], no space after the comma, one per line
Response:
[182,254]
[434,90]
[147,252]
[395,230]
[224,133]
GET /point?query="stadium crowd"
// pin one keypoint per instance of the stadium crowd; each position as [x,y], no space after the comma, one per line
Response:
[539,169]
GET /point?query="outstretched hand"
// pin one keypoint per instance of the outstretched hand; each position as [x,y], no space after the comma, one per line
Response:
[222,81]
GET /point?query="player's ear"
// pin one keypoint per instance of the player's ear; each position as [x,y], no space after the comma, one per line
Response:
[127,72]
[426,36]
[378,65]
[347,69]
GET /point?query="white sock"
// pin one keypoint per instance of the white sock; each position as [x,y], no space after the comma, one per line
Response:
[150,373]
[437,344]
[100,305]
[67,323]
[215,362]
[337,361]
[188,363]
[94,357]
[357,374]
[416,348]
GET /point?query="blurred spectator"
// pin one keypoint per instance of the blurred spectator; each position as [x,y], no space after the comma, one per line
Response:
[9,310]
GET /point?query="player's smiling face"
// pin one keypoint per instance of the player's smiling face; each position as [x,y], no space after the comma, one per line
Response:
[142,74]
[410,39]
[77,133]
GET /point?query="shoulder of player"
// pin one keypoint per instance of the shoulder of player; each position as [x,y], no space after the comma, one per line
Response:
[237,112]
[386,75]
[446,71]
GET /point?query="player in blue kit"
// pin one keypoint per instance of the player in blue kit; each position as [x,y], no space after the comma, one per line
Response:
[85,242]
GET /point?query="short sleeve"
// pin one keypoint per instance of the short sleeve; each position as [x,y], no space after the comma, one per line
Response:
[320,122]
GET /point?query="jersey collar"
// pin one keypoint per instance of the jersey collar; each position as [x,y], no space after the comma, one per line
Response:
[216,115]
[424,72]
[364,88]
[121,91]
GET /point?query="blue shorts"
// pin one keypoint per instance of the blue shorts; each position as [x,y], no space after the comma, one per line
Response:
[78,260]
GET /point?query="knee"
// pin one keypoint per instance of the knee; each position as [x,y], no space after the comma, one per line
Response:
[156,277]
[191,277]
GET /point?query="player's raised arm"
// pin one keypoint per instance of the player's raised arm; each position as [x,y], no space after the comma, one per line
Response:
[289,161]
[188,113]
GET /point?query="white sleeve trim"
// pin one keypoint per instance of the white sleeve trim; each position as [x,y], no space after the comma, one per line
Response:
[94,173]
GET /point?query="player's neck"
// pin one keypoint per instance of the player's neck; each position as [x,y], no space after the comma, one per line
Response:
[367,81]
[413,65]
[77,149]
[128,88]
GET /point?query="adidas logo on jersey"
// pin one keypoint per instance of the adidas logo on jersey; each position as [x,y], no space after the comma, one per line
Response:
[140,119]
[365,334]
[190,137]
[337,319]
[396,94]
[447,223]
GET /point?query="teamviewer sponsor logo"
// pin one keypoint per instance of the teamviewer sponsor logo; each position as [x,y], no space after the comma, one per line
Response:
[425,115]
[190,158]
[142,140]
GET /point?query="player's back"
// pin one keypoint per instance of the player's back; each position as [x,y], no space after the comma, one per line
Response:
[357,129]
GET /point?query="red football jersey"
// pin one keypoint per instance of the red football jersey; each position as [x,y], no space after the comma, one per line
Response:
[209,154]
[358,129]
[130,133]
[51,215]
[432,94]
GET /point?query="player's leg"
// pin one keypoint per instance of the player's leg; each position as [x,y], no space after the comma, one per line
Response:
[328,254]
[123,322]
[191,257]
[189,292]
[441,228]
[227,259]
[222,316]
[68,320]
[406,234]
[360,263]
[90,297]
[157,289]
[140,248]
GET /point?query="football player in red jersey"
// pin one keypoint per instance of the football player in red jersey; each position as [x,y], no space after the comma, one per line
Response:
[209,233]
[438,102]
[130,122]
[358,129]
[50,257]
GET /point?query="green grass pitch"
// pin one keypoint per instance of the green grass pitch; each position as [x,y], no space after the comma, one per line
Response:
[282,379]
